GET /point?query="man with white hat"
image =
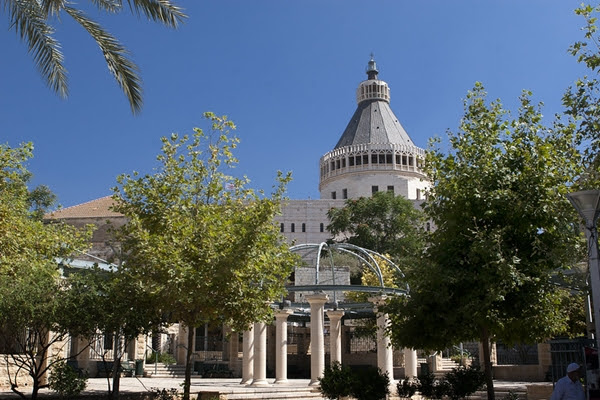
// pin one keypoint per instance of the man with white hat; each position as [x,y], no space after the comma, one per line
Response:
[568,387]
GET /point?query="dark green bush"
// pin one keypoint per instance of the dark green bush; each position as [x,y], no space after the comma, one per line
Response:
[370,384]
[432,388]
[66,381]
[365,384]
[407,387]
[336,381]
[464,381]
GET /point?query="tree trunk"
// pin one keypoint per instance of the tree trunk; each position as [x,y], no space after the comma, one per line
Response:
[188,365]
[116,375]
[489,378]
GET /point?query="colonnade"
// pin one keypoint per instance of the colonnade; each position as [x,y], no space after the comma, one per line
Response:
[254,362]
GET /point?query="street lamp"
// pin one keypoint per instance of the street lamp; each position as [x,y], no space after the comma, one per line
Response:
[587,204]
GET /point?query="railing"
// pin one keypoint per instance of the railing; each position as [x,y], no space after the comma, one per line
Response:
[520,354]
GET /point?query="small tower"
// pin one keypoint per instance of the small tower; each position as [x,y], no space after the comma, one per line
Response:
[374,152]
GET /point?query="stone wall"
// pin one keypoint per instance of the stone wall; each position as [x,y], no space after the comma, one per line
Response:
[6,364]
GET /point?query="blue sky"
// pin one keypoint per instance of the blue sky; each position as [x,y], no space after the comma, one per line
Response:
[285,72]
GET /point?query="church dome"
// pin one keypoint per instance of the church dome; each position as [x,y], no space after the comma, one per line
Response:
[374,152]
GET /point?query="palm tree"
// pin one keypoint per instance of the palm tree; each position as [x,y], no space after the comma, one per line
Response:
[32,21]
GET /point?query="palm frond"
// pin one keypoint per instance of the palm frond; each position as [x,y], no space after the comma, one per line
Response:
[29,20]
[121,67]
[112,6]
[52,7]
[163,11]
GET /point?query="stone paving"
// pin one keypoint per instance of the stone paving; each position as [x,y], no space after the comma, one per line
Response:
[224,386]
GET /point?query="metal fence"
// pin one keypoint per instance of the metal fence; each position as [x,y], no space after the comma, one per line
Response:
[519,354]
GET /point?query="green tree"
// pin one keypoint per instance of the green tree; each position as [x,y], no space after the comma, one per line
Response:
[581,100]
[32,21]
[200,239]
[32,309]
[383,223]
[503,229]
[115,303]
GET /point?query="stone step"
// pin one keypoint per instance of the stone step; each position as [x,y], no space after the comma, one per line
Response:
[165,371]
[275,393]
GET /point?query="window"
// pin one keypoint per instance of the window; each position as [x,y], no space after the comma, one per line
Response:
[374,189]
[344,193]
[293,227]
[365,159]
[358,160]
[418,194]
[373,158]
[333,195]
[321,227]
[303,227]
[351,161]
[281,227]
[390,189]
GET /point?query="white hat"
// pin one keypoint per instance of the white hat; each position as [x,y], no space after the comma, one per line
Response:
[572,367]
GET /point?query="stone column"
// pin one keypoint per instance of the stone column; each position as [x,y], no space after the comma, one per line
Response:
[260,355]
[281,317]
[234,351]
[317,340]
[385,353]
[410,363]
[182,348]
[248,356]
[335,335]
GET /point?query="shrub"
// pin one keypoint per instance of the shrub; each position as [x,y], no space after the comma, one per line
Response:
[407,388]
[432,388]
[366,384]
[370,384]
[464,381]
[66,381]
[165,394]
[164,358]
[336,381]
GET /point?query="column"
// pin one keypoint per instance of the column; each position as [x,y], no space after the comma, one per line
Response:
[385,353]
[281,317]
[260,355]
[410,363]
[317,340]
[234,351]
[183,344]
[248,356]
[335,334]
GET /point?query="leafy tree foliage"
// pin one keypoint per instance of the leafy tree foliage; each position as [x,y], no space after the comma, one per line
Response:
[581,100]
[383,223]
[199,239]
[33,310]
[113,302]
[504,226]
[32,21]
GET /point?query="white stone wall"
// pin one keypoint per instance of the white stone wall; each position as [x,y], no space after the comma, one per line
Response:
[311,213]
[360,184]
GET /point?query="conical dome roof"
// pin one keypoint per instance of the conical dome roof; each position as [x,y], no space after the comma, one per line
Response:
[373,122]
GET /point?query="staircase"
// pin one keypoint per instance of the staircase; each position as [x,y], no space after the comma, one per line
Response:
[161,370]
[445,365]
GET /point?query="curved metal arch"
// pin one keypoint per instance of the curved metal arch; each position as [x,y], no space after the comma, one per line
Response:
[362,254]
